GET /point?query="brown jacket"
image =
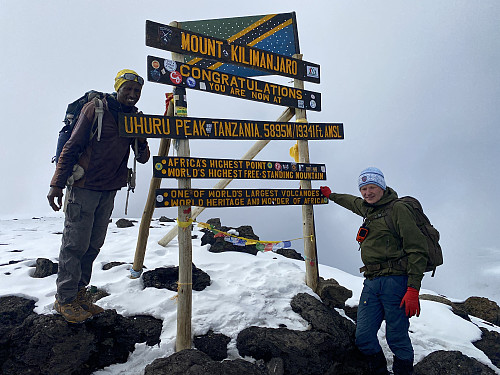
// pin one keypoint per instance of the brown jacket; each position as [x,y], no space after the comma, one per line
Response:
[104,161]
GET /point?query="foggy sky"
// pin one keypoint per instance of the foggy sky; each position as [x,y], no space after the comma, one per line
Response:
[416,85]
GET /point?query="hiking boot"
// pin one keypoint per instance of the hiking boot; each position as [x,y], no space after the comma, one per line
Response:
[83,298]
[72,312]
[402,367]
[377,364]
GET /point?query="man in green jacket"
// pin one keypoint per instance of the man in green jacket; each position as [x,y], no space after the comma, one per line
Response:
[393,268]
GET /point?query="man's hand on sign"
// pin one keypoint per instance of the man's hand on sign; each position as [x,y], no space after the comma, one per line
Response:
[55,192]
[325,190]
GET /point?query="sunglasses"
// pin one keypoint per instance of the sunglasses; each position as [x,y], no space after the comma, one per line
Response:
[132,77]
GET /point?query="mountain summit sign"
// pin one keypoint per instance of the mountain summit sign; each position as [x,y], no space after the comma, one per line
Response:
[175,73]
[187,42]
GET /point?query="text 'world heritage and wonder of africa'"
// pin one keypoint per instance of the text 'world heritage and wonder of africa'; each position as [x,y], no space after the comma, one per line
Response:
[238,197]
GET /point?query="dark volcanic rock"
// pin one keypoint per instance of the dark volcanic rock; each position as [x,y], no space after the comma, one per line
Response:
[290,253]
[13,311]
[490,345]
[450,363]
[44,268]
[219,245]
[48,345]
[303,352]
[324,319]
[327,349]
[110,265]
[332,293]
[124,223]
[482,308]
[167,277]
[165,219]
[213,344]
[195,362]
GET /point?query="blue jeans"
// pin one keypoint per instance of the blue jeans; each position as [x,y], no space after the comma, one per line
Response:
[85,226]
[380,299]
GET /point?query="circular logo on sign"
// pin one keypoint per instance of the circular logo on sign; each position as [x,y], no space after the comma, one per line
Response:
[277,166]
[155,74]
[191,82]
[270,165]
[155,64]
[170,65]
[312,103]
[159,198]
[159,166]
[176,77]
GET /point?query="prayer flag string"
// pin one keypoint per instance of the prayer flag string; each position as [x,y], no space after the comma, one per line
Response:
[242,241]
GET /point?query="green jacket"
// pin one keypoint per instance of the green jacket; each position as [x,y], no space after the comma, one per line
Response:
[381,246]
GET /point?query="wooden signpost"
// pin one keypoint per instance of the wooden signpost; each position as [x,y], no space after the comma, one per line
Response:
[209,78]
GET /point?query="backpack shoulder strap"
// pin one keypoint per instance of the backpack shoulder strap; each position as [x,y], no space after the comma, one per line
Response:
[99,109]
[388,218]
[99,114]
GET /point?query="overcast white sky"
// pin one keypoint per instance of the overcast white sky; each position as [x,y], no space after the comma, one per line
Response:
[416,84]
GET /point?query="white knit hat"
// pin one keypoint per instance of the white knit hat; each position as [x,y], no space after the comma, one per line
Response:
[373,176]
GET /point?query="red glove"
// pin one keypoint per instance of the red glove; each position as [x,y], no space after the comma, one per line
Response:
[410,300]
[326,191]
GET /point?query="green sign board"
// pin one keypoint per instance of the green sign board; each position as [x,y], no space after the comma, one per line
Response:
[187,167]
[237,197]
[187,42]
[157,126]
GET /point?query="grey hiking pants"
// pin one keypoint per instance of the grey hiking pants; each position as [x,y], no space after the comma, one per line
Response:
[85,226]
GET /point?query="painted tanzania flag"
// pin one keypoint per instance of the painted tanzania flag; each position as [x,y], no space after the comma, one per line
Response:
[273,32]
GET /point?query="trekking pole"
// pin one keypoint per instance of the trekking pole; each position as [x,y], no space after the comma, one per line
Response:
[132,175]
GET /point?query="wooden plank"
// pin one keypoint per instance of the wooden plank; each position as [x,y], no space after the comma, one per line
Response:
[174,73]
[237,197]
[187,42]
[147,214]
[182,167]
[157,126]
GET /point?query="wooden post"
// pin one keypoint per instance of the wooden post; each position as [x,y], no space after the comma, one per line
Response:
[185,283]
[312,274]
[147,214]
[185,286]
[251,153]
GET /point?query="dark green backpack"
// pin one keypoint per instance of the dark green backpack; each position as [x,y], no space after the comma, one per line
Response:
[435,253]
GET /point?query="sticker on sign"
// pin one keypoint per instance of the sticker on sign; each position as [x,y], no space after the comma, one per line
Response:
[312,71]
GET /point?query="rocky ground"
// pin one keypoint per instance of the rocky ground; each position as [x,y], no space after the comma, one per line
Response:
[46,344]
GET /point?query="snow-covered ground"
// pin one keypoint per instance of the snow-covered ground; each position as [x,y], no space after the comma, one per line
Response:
[246,290]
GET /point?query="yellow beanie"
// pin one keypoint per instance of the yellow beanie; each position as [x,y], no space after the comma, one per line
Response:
[119,80]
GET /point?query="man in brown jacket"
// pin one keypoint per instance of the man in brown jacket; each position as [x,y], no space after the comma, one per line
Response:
[103,159]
